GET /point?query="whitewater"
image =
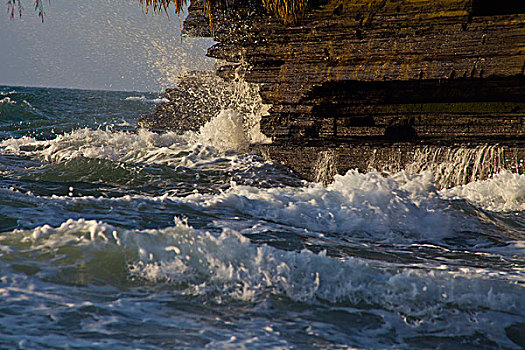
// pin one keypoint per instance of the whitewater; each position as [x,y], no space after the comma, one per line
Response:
[124,238]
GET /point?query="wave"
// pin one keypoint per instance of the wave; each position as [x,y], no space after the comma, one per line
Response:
[6,93]
[100,144]
[145,99]
[402,207]
[227,265]
[503,192]
[7,100]
[398,207]
[219,136]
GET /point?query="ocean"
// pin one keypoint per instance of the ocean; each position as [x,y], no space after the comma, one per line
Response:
[112,237]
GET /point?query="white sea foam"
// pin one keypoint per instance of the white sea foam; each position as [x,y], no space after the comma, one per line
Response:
[228,265]
[388,208]
[501,193]
[7,100]
[398,207]
[222,134]
[147,100]
[144,146]
[225,132]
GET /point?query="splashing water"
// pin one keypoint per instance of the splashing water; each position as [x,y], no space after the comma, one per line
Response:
[326,167]
[458,166]
[225,132]
[132,239]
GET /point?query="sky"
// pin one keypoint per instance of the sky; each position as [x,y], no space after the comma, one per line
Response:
[96,44]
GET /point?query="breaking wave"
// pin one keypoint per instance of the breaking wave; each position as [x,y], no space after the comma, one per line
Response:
[7,100]
[145,99]
[400,206]
[368,205]
[227,265]
[503,192]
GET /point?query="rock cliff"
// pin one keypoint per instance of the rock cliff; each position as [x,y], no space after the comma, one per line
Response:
[371,82]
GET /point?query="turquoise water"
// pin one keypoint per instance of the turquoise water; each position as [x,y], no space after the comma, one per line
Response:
[122,238]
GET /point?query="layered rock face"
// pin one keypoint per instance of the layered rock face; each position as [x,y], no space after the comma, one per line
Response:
[363,78]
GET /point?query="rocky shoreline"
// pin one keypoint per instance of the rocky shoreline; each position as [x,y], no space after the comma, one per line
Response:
[370,83]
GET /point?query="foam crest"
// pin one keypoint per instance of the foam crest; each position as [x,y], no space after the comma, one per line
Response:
[223,134]
[503,192]
[386,208]
[228,265]
[144,146]
[145,99]
[7,100]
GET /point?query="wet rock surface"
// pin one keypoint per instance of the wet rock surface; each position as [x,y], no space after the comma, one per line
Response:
[382,74]
[453,163]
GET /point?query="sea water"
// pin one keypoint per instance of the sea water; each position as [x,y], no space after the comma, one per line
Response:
[112,237]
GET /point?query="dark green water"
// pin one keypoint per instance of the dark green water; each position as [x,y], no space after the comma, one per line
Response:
[135,240]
